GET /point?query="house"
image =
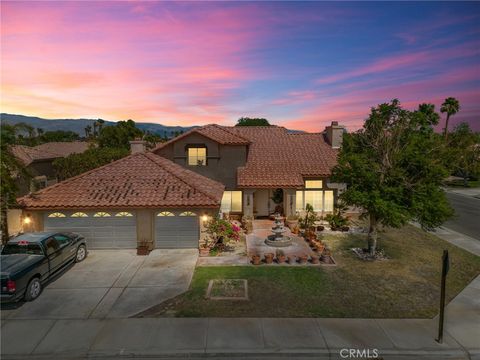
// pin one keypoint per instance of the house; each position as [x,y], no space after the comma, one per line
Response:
[38,161]
[165,196]
[255,162]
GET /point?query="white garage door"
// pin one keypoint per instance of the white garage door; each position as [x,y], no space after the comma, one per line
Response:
[176,230]
[101,229]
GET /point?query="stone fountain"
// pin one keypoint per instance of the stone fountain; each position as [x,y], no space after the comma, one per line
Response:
[278,239]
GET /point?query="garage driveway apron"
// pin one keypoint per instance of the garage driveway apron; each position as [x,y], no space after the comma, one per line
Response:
[112,284]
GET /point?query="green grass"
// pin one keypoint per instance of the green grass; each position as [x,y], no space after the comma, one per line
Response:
[405,286]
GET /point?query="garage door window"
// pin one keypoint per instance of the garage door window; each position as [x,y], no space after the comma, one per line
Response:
[56,215]
[79,214]
[123,214]
[187,213]
[165,213]
[101,214]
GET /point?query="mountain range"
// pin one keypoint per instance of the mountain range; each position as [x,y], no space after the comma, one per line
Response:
[78,125]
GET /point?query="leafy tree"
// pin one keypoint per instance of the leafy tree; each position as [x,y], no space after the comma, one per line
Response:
[450,106]
[57,135]
[463,151]
[246,121]
[11,169]
[75,164]
[118,136]
[152,139]
[393,169]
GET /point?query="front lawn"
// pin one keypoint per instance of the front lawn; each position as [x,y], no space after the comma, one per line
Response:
[405,286]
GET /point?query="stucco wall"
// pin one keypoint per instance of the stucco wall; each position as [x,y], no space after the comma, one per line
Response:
[222,160]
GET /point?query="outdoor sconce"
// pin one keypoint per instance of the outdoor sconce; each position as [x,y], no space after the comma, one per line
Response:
[204,218]
[27,220]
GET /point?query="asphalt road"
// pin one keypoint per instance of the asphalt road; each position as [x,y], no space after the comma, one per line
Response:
[467,215]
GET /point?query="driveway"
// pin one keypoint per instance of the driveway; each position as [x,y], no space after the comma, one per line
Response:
[111,284]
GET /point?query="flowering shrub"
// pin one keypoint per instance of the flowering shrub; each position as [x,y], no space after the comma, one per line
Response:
[222,229]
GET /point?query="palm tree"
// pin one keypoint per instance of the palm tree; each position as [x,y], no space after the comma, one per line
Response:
[450,106]
[95,129]
[100,123]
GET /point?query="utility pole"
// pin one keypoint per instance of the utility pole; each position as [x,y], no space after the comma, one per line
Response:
[445,268]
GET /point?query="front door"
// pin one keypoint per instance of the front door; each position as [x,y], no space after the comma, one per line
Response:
[261,199]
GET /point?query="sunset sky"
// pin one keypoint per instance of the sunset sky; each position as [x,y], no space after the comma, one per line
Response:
[301,65]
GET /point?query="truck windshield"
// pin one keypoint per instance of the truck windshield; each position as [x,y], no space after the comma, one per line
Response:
[22,248]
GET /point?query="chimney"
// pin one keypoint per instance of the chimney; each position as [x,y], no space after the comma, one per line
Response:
[334,133]
[137,145]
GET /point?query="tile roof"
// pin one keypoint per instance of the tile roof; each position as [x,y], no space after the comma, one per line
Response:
[136,181]
[277,158]
[27,154]
[221,134]
[53,150]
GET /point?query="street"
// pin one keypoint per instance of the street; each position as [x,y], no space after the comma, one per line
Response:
[467,215]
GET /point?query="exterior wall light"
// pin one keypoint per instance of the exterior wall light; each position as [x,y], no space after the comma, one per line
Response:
[204,218]
[27,220]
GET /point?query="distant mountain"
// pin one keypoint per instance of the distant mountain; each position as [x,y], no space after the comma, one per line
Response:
[78,125]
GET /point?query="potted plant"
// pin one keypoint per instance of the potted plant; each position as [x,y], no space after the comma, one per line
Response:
[142,248]
[292,259]
[204,249]
[302,259]
[280,255]
[247,223]
[307,222]
[256,259]
[292,221]
[268,258]
[315,259]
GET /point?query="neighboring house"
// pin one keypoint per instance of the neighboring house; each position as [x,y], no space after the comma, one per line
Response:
[142,198]
[253,162]
[164,197]
[38,162]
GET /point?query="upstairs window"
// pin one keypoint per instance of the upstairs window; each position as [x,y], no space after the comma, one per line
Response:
[313,184]
[197,156]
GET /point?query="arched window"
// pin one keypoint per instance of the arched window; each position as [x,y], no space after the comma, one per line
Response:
[101,214]
[79,214]
[187,213]
[165,213]
[56,215]
[123,214]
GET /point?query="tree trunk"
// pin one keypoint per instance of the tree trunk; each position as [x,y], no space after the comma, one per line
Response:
[4,224]
[445,131]
[372,235]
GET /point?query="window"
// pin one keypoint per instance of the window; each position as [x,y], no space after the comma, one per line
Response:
[62,240]
[165,213]
[231,201]
[123,214]
[79,214]
[320,200]
[101,214]
[22,248]
[56,215]
[197,156]
[187,213]
[313,184]
[51,245]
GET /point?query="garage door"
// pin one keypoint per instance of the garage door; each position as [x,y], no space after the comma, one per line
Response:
[176,230]
[101,229]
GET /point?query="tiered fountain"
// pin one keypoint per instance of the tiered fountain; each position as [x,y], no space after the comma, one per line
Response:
[278,239]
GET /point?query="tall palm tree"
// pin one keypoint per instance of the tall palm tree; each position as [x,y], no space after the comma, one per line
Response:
[450,106]
[95,124]
[88,131]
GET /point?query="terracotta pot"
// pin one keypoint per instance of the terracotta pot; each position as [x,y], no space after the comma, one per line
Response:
[204,252]
[345,228]
[256,260]
[320,228]
[315,259]
[142,250]
[292,259]
[303,259]
[268,258]
[281,259]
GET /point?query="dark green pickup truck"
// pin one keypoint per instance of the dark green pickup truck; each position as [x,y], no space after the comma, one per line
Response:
[29,260]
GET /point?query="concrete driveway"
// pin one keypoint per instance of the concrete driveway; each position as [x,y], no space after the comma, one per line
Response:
[111,284]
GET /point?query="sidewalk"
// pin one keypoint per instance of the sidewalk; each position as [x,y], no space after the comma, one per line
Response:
[472,192]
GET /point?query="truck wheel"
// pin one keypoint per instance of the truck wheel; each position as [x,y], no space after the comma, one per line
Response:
[81,253]
[34,289]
